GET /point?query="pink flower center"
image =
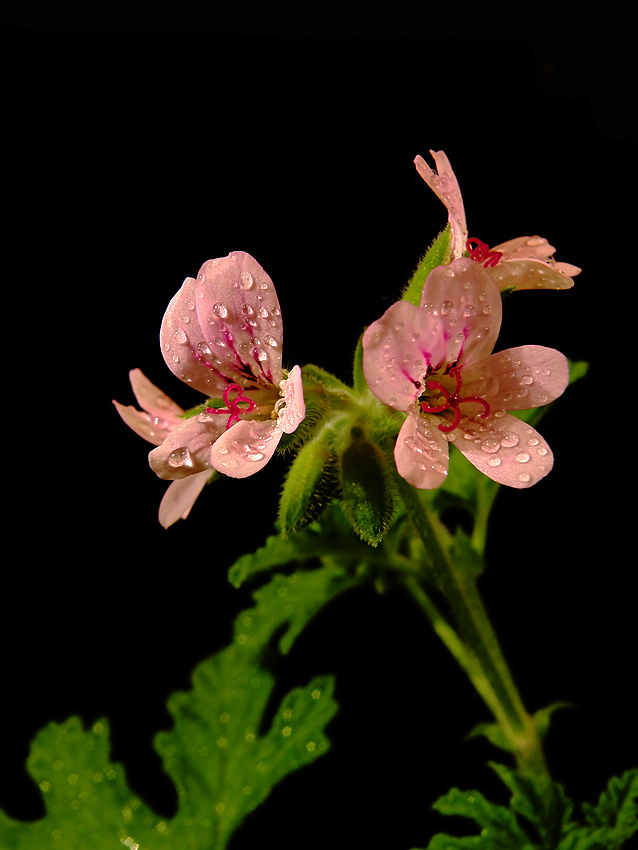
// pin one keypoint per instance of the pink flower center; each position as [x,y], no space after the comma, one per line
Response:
[232,404]
[482,253]
[452,401]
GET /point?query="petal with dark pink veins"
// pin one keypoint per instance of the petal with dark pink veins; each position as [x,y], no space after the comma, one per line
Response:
[398,349]
[464,298]
[224,327]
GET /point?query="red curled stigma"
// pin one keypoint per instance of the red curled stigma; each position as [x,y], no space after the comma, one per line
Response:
[452,401]
[482,253]
[232,404]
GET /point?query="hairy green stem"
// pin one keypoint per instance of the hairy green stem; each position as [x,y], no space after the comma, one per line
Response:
[473,642]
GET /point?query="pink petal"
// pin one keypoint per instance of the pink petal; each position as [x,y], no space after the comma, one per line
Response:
[142,423]
[531,274]
[421,452]
[186,450]
[518,378]
[398,349]
[180,497]
[225,327]
[447,188]
[468,304]
[152,399]
[526,248]
[536,248]
[294,409]
[505,449]
[159,416]
[246,447]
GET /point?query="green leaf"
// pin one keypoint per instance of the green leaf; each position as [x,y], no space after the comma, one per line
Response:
[540,816]
[616,813]
[438,254]
[499,827]
[224,754]
[367,489]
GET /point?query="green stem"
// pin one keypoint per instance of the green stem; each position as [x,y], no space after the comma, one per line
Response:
[473,643]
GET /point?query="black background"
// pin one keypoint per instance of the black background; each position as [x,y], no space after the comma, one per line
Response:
[133,158]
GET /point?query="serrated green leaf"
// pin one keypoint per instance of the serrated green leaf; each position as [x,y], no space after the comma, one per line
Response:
[540,801]
[222,762]
[438,254]
[617,808]
[499,827]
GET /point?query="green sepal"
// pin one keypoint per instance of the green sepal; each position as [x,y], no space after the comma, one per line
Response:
[366,488]
[358,378]
[311,483]
[438,254]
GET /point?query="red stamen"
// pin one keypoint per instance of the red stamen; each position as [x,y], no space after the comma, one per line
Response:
[232,404]
[452,401]
[482,253]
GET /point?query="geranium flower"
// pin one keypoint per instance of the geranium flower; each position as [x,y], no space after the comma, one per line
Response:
[526,262]
[434,362]
[222,334]
[158,417]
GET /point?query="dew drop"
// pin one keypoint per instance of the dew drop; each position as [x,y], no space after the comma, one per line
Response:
[446,308]
[523,457]
[180,457]
[494,461]
[246,280]
[220,311]
[180,336]
[490,445]
[262,313]
[271,341]
[527,379]
[542,451]
[509,440]
[524,477]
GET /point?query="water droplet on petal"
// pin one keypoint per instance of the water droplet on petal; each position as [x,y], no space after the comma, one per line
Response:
[524,477]
[220,311]
[509,440]
[494,461]
[180,336]
[446,308]
[180,457]
[490,445]
[246,280]
[527,379]
[523,457]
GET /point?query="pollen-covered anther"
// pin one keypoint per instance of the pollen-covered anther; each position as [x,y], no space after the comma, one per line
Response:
[232,404]
[452,401]
[482,253]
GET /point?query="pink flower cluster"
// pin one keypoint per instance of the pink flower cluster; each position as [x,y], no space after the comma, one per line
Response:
[435,363]
[222,334]
[526,262]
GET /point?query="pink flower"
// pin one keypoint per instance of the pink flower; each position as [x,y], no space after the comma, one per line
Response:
[158,417]
[222,334]
[523,263]
[434,363]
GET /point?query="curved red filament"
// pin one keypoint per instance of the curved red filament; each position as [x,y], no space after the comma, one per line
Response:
[482,253]
[232,404]
[452,401]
